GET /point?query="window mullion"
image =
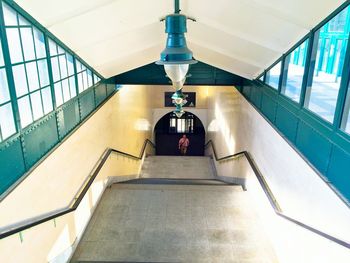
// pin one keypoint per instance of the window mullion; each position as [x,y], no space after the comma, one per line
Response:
[309,68]
[49,69]
[9,73]
[280,81]
[76,84]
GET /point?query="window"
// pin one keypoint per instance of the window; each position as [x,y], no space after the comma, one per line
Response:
[96,79]
[322,92]
[7,123]
[63,73]
[84,76]
[184,124]
[272,77]
[293,72]
[338,23]
[29,67]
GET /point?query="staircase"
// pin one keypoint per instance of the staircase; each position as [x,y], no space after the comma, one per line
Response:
[178,167]
[177,211]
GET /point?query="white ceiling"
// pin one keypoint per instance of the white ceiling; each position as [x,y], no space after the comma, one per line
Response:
[240,36]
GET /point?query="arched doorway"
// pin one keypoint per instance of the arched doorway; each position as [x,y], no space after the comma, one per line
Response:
[169,129]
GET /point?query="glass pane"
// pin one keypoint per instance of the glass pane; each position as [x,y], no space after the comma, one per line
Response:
[25,111]
[322,93]
[70,64]
[7,123]
[19,76]
[39,44]
[273,76]
[65,89]
[15,47]
[55,69]
[32,75]
[89,75]
[85,81]
[79,65]
[43,73]
[4,90]
[294,72]
[52,48]
[80,82]
[60,50]
[47,100]
[10,16]
[36,105]
[23,21]
[58,94]
[73,91]
[338,23]
[27,43]
[63,66]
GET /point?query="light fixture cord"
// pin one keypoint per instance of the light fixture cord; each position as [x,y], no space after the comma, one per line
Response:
[177,6]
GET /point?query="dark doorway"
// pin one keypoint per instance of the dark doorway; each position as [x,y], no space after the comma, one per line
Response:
[169,129]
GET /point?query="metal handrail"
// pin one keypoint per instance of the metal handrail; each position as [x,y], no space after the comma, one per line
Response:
[273,201]
[79,198]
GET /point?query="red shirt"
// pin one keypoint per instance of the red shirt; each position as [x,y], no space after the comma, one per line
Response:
[184,142]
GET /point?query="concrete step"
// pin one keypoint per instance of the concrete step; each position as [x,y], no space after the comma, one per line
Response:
[182,167]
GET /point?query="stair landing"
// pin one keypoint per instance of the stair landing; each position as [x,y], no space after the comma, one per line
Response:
[179,167]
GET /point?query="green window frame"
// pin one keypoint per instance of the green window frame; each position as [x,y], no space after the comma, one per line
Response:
[273,75]
[84,75]
[326,71]
[294,71]
[63,73]
[29,67]
[7,122]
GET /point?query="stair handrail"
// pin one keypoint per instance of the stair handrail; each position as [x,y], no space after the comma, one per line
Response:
[81,193]
[269,194]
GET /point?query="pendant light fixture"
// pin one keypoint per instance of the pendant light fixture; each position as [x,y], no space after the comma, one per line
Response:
[176,57]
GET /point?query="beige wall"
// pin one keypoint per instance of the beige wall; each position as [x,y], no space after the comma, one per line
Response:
[234,125]
[123,123]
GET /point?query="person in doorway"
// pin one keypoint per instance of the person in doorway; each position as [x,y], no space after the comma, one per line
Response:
[184,142]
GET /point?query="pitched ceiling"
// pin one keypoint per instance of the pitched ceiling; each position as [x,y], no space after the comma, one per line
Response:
[240,36]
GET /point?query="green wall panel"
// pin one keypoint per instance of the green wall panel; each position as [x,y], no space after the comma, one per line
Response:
[339,172]
[287,123]
[12,164]
[110,89]
[68,118]
[325,148]
[40,139]
[100,93]
[87,103]
[268,107]
[246,91]
[314,146]
[200,74]
[255,96]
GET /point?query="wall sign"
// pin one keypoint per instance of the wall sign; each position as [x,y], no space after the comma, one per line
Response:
[191,99]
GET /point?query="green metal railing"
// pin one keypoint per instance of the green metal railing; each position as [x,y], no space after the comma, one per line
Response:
[77,200]
[269,194]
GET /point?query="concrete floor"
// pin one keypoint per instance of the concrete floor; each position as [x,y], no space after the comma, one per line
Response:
[174,223]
